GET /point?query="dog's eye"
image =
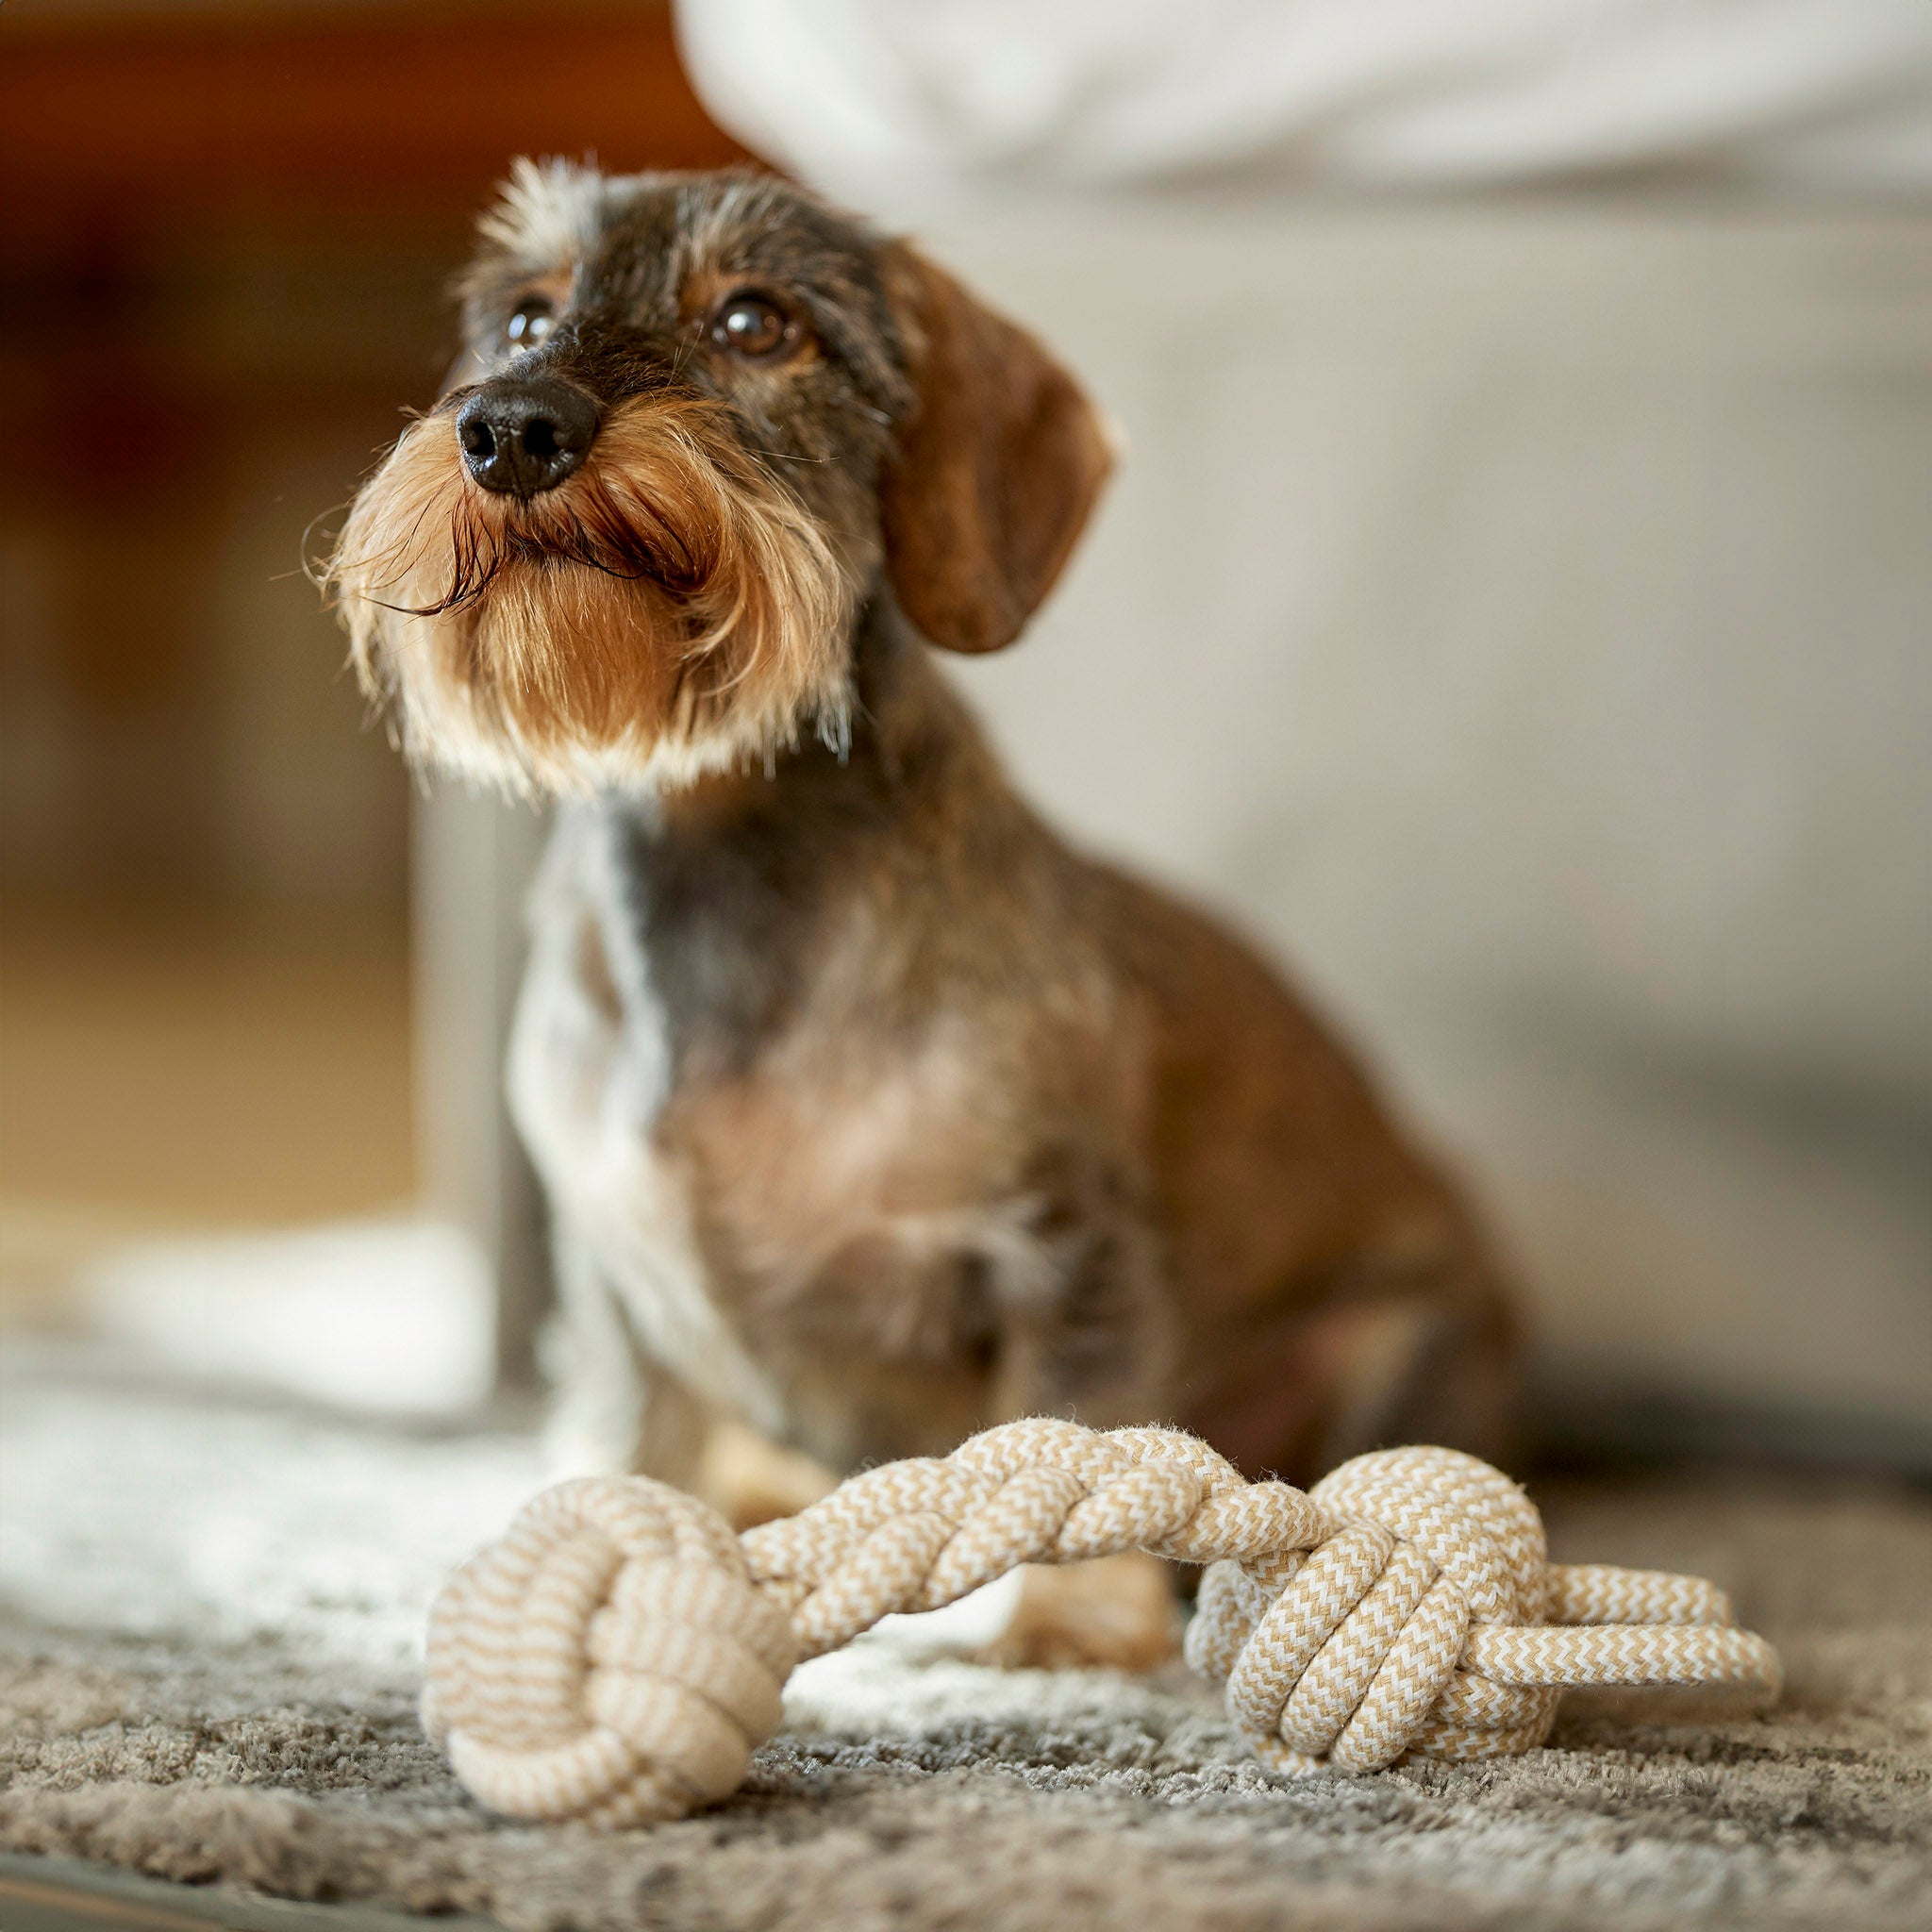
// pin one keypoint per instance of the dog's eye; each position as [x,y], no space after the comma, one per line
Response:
[751,326]
[533,320]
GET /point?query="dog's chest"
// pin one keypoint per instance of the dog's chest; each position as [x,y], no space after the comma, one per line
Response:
[772,1219]
[716,1211]
[590,1074]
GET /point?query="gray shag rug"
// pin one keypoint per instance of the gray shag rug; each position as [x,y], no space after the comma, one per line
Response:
[211,1612]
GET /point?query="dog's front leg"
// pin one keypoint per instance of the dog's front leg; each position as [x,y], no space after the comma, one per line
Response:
[1094,1343]
[616,1411]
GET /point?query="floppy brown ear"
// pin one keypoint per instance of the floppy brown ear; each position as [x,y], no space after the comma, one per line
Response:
[996,468]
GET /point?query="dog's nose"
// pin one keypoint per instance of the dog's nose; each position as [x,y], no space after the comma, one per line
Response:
[520,436]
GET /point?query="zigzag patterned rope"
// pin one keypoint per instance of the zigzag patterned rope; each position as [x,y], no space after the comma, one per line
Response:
[620,1655]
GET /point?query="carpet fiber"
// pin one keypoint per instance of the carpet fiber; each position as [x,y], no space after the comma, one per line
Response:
[211,1612]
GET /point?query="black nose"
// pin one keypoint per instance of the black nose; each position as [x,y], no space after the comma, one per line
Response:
[520,437]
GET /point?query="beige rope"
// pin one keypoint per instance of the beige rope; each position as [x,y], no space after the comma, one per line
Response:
[620,1655]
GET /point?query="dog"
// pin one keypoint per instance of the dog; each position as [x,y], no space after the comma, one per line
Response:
[868,1112]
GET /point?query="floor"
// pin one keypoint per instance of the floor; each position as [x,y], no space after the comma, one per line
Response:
[210,1611]
[172,1069]
[65,1895]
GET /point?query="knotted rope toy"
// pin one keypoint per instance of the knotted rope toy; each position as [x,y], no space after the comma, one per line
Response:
[620,1655]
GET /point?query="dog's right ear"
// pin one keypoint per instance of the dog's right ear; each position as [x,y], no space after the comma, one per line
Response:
[996,468]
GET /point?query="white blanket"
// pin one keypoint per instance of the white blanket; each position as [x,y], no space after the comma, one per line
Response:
[886,101]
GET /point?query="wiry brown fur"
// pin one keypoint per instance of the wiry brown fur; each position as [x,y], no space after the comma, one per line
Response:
[672,606]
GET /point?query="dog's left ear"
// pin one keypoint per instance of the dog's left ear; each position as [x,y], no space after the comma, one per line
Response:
[996,468]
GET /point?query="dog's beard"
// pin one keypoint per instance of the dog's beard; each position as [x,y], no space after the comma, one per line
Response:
[669,610]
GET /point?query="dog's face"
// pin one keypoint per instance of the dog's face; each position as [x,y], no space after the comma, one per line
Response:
[700,421]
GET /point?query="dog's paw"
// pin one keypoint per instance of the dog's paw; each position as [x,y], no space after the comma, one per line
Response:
[1116,1612]
[748,1480]
[591,1438]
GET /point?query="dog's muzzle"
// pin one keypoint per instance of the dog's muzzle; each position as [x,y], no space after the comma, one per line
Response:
[520,436]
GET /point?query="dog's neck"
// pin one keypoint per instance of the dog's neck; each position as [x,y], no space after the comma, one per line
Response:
[732,886]
[908,731]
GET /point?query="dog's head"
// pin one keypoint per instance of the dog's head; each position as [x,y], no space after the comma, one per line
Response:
[701,420]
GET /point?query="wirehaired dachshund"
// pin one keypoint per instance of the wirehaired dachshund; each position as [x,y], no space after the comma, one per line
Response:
[867,1111]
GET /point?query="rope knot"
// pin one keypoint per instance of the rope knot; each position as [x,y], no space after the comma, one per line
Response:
[1346,1654]
[607,1659]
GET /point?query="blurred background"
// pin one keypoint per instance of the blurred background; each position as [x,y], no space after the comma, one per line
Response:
[1514,609]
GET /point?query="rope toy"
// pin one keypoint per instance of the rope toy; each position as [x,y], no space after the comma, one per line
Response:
[620,1655]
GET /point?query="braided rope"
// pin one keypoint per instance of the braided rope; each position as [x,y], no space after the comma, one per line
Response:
[620,1655]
